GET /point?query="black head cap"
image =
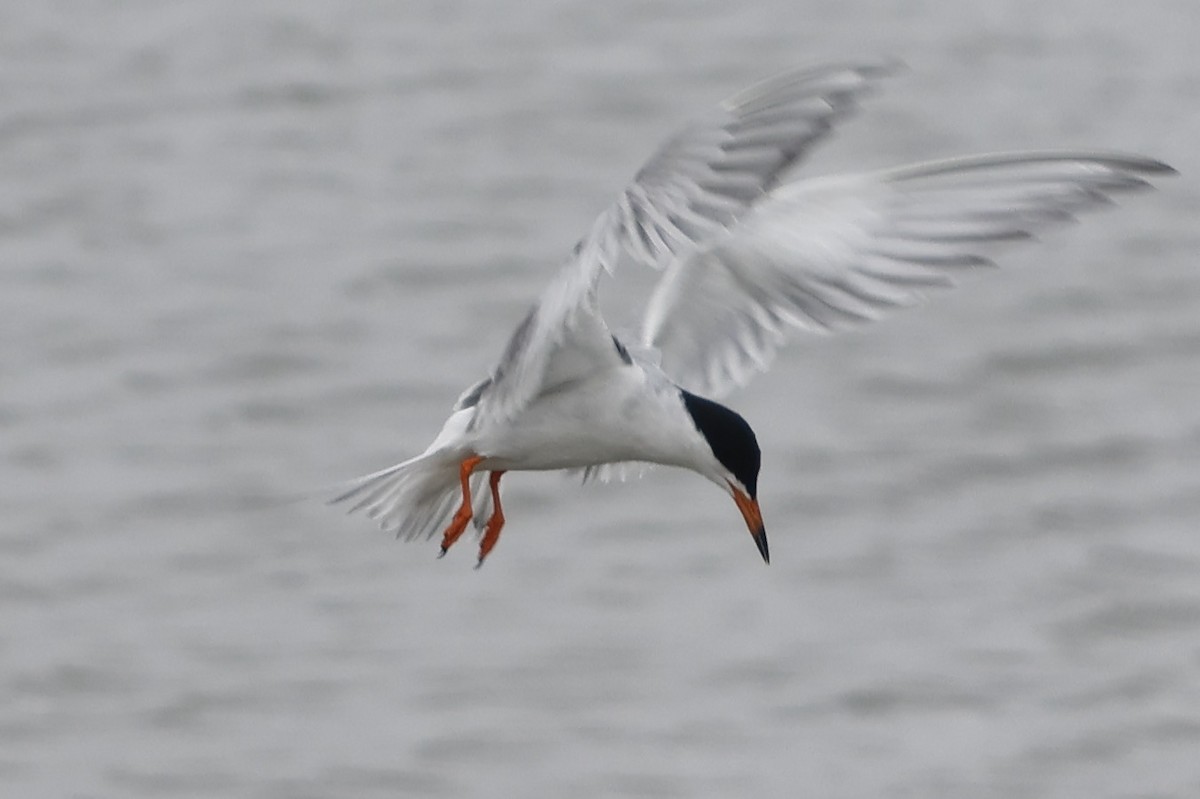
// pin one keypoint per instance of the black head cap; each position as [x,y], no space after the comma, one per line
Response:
[729,436]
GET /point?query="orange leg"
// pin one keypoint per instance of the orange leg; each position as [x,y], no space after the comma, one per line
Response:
[463,514]
[491,533]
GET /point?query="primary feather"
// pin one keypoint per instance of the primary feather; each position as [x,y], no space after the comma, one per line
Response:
[695,186]
[828,253]
[746,255]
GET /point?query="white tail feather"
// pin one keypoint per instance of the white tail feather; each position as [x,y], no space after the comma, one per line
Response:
[416,498]
[413,499]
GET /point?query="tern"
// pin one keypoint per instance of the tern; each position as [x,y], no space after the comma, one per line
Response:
[746,254]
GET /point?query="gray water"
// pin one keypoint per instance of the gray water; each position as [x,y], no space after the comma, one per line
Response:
[251,248]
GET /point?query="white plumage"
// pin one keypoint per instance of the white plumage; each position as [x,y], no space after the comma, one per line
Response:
[746,256]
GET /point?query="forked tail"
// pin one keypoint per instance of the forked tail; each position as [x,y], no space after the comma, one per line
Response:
[416,498]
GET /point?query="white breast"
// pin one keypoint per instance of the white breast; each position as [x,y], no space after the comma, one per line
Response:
[613,416]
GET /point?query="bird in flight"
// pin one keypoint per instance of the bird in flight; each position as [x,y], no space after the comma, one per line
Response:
[745,255]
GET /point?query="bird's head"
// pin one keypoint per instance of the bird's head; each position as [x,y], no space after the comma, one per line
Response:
[735,459]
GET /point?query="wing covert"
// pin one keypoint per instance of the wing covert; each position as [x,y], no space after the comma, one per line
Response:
[829,253]
[702,179]
[694,187]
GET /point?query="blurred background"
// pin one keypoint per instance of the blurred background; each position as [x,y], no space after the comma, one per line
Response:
[249,249]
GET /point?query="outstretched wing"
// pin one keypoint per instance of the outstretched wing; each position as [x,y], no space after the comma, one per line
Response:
[826,253]
[695,187]
[702,179]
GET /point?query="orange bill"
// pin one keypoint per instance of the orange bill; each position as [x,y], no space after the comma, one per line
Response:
[753,516]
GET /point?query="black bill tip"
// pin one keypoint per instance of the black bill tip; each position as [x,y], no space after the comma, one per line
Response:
[760,541]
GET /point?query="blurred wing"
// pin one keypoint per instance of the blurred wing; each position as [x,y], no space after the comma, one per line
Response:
[702,179]
[697,185]
[827,253]
[561,339]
